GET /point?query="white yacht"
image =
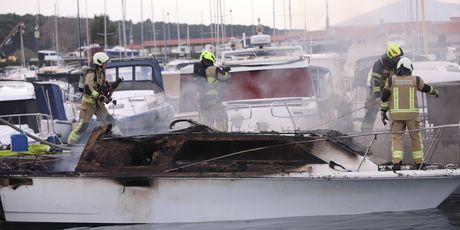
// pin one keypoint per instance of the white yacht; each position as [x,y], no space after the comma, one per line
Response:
[199,175]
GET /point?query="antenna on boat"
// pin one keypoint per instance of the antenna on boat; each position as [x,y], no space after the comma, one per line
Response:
[259,27]
[260,39]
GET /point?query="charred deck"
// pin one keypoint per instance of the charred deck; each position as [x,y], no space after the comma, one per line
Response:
[199,149]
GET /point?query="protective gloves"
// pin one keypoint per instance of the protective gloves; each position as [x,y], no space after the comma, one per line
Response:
[384,107]
[434,92]
[104,99]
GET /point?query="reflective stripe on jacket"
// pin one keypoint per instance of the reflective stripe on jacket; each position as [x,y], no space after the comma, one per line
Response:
[403,99]
[383,68]
[93,80]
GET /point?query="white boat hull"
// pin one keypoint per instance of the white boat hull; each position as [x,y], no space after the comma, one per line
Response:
[178,199]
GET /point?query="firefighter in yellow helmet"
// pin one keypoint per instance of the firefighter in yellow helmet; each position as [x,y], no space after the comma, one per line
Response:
[212,111]
[383,68]
[400,97]
[94,100]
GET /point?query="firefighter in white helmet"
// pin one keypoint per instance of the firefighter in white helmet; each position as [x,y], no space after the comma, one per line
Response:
[400,97]
[94,99]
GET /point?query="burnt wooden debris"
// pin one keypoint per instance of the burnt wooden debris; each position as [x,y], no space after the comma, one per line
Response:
[200,149]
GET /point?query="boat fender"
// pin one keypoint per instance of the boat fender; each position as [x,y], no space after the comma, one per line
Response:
[332,165]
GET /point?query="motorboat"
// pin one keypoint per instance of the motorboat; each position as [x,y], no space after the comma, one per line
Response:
[38,108]
[271,88]
[119,52]
[198,174]
[17,73]
[139,103]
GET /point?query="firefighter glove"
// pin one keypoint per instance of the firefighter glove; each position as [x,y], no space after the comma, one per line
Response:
[384,117]
[435,92]
[104,99]
[227,69]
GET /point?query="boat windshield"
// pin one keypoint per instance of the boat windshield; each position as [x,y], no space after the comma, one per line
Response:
[253,84]
[268,55]
[134,77]
[274,83]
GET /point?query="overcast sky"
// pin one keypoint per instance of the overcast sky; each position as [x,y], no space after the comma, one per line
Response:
[196,11]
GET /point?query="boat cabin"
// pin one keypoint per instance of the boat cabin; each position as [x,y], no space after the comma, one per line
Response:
[35,107]
[268,85]
[139,103]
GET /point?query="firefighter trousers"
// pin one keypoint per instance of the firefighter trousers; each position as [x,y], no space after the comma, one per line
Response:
[372,109]
[397,142]
[213,111]
[86,113]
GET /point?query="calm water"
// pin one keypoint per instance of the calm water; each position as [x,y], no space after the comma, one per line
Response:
[447,216]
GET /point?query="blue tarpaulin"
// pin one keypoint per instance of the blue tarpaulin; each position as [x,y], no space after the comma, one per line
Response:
[42,90]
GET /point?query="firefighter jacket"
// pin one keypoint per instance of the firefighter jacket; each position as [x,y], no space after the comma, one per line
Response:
[383,68]
[401,94]
[94,78]
[214,75]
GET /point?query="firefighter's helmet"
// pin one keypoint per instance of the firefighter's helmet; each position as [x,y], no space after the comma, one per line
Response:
[100,58]
[207,55]
[405,62]
[394,50]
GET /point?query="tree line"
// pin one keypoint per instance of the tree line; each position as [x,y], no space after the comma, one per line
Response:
[67,32]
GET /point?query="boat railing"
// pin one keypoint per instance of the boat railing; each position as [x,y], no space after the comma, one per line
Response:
[307,108]
[373,136]
[135,105]
[238,107]
[428,154]
[42,120]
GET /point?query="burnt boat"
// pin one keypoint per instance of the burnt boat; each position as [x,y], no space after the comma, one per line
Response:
[198,174]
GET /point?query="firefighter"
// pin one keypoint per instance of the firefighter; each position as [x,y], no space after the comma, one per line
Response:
[400,97]
[383,68]
[94,100]
[211,108]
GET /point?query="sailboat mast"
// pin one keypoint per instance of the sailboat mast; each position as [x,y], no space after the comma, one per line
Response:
[105,24]
[37,32]
[217,24]
[290,18]
[142,27]
[177,24]
[23,57]
[153,30]
[252,18]
[327,15]
[123,13]
[425,44]
[210,22]
[79,30]
[284,15]
[417,27]
[164,36]
[305,23]
[88,54]
[274,25]
[56,26]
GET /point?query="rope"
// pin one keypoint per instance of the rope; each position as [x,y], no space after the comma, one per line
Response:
[309,141]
